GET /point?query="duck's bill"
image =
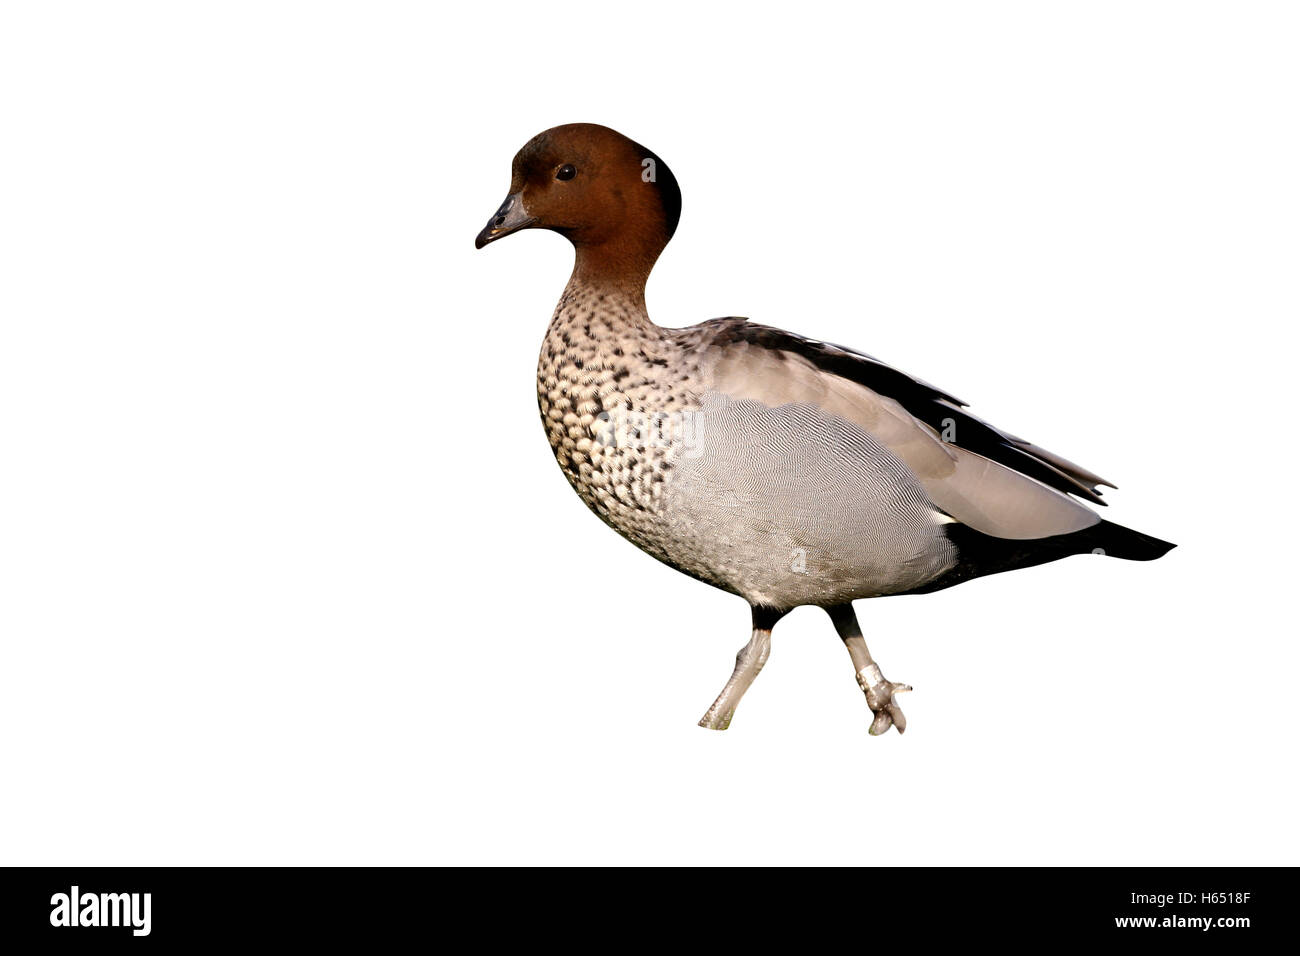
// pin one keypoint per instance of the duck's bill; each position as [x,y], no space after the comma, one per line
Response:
[511,217]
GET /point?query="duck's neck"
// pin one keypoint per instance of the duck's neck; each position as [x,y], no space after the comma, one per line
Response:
[607,290]
[618,267]
[607,269]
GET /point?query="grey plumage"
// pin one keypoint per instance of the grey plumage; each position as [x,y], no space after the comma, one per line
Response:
[790,506]
[751,468]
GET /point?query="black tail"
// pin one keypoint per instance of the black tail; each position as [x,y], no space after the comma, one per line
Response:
[1116,541]
[979,554]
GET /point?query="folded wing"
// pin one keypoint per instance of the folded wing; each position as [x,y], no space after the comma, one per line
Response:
[981,476]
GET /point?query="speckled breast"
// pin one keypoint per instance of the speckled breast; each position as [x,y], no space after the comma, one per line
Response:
[617,419]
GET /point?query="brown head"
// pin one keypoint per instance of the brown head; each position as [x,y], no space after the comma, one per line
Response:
[614,200]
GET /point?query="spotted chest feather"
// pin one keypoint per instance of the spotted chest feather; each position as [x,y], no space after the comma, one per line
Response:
[614,395]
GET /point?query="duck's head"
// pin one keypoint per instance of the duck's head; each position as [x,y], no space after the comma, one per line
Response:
[614,200]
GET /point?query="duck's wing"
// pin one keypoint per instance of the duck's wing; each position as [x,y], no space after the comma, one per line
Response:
[978,474]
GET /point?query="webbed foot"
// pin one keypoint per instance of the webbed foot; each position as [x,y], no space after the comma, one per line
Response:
[880,698]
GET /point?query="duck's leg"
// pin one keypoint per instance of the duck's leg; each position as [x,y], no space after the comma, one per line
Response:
[880,692]
[749,661]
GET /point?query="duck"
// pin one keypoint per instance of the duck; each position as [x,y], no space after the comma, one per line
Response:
[783,469]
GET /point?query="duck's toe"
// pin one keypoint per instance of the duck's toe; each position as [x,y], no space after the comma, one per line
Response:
[881,699]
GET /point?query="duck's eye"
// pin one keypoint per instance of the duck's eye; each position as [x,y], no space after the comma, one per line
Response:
[566,172]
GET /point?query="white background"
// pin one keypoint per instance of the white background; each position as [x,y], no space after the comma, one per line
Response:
[289,574]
